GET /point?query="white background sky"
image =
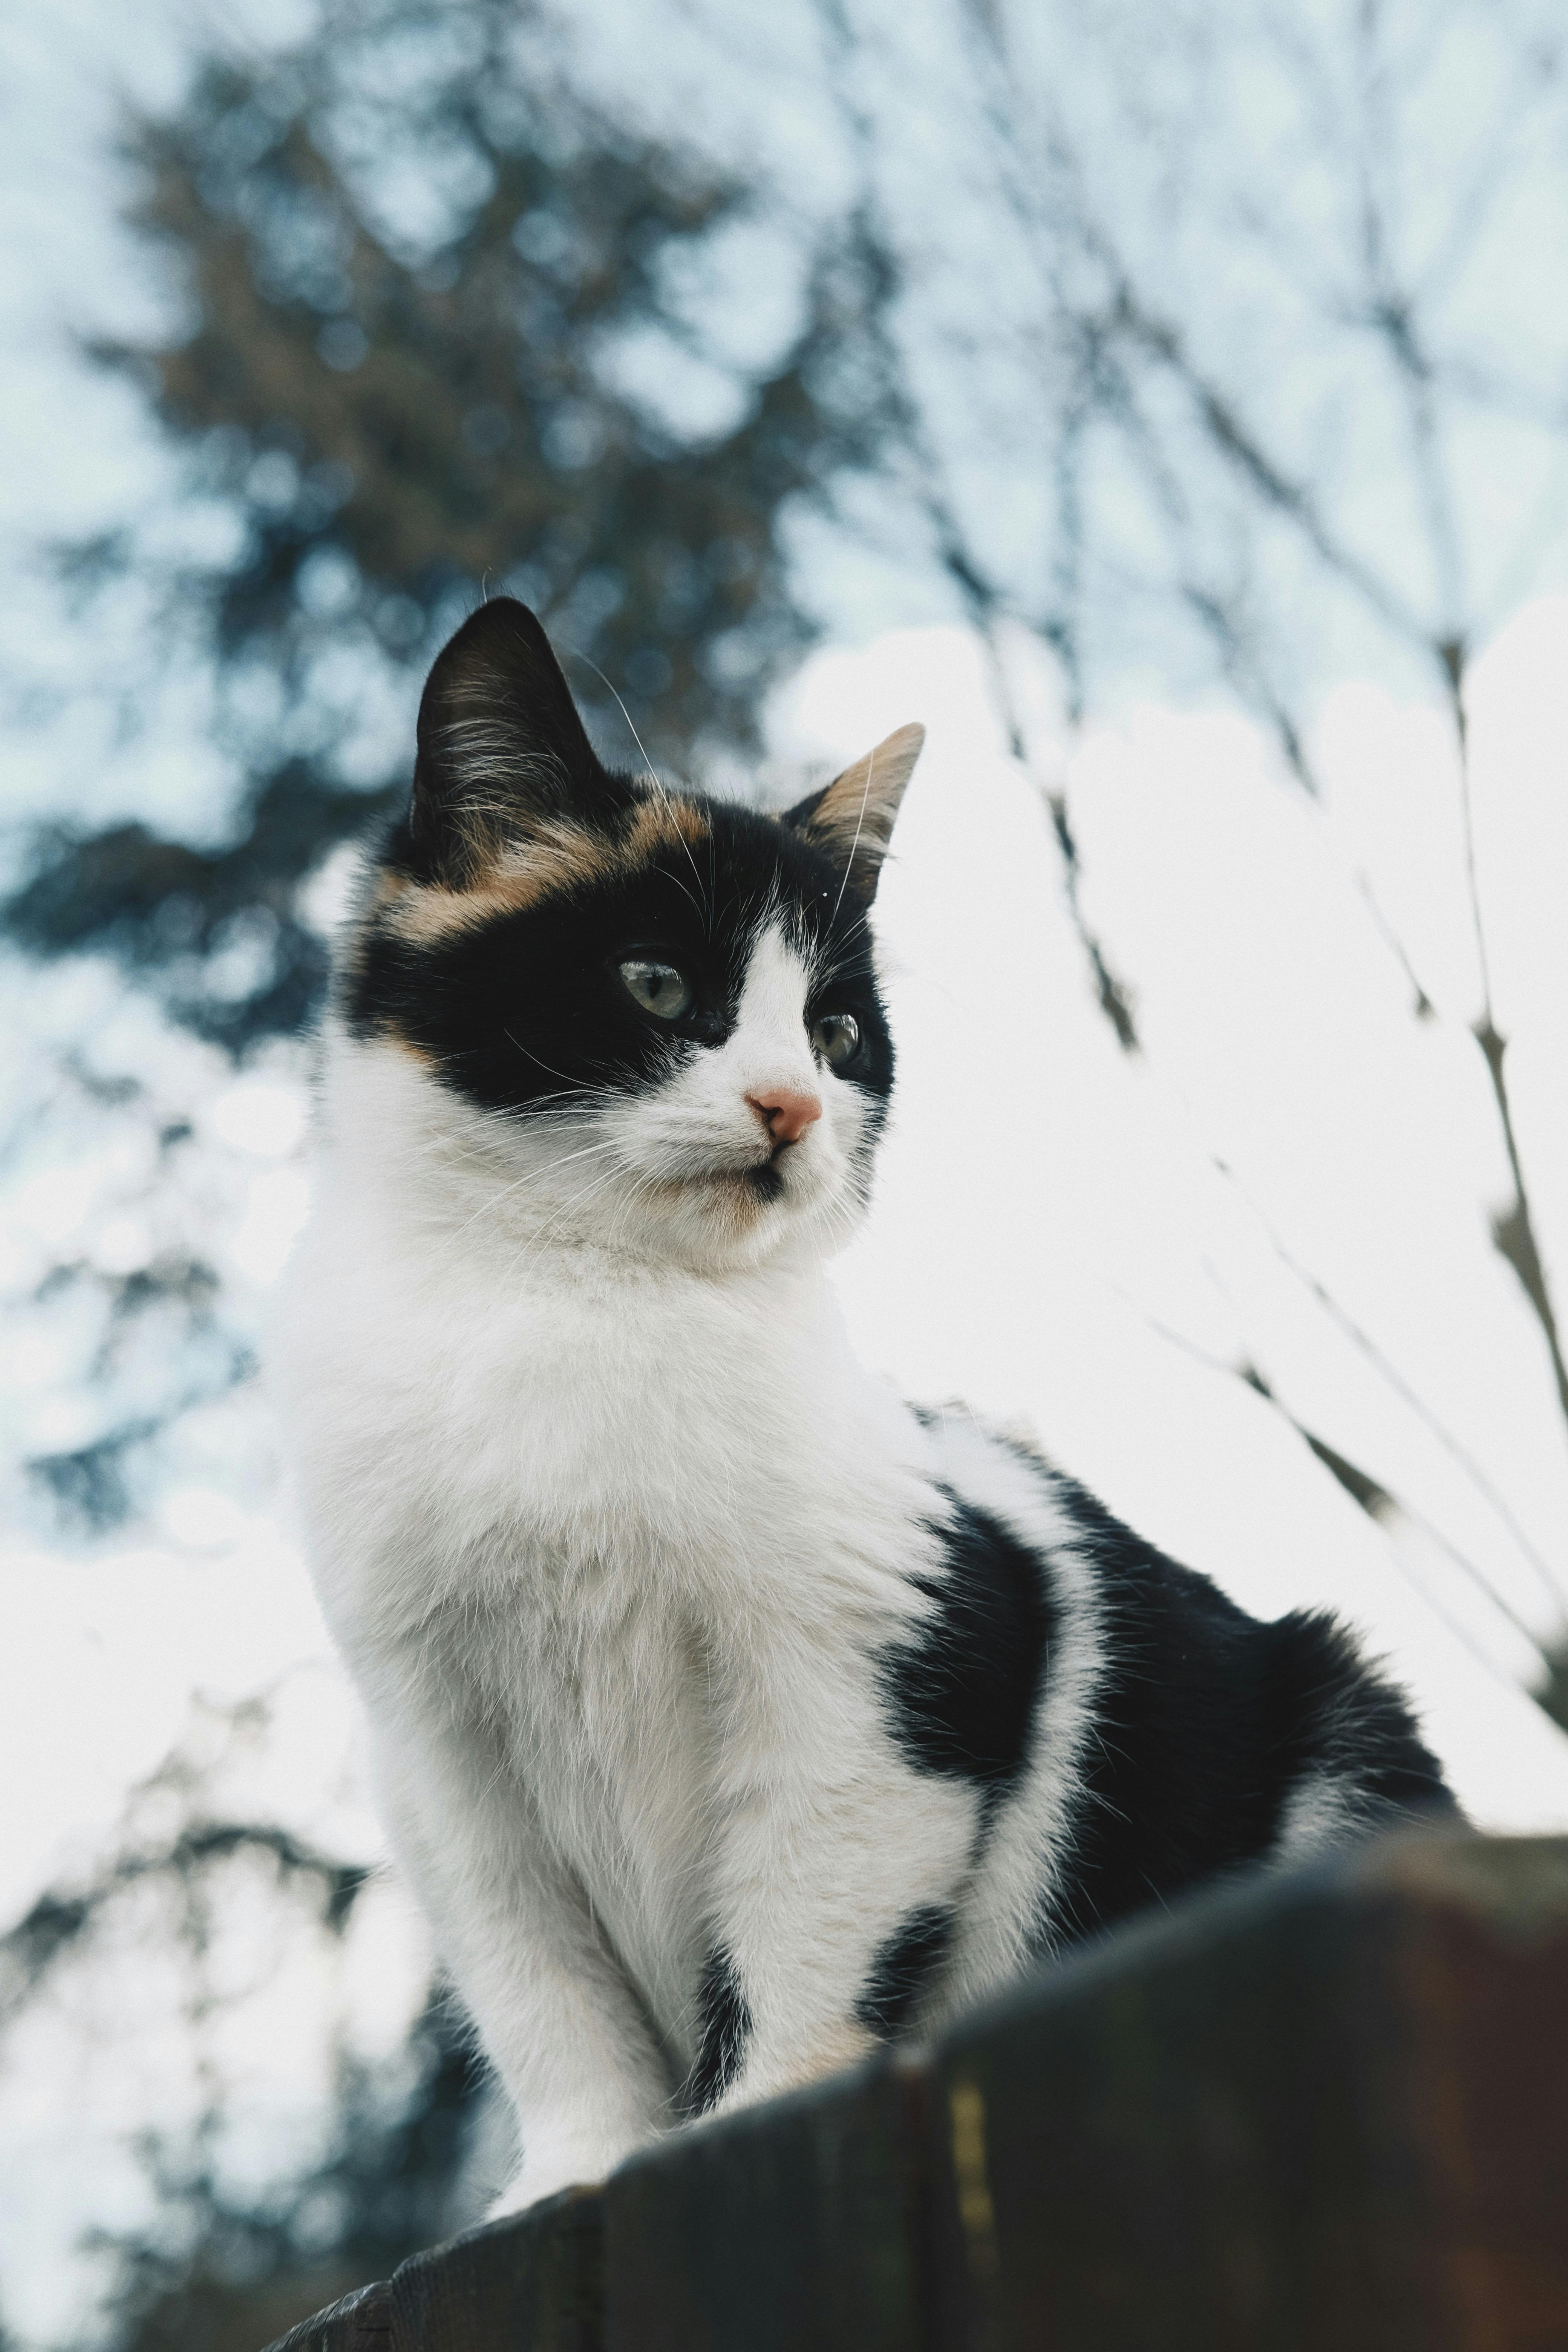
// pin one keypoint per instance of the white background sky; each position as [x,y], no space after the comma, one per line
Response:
[1054,1236]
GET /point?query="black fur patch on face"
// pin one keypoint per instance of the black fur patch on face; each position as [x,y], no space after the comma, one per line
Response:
[525,1009]
[724,2027]
[902,1969]
[1207,1722]
[962,1696]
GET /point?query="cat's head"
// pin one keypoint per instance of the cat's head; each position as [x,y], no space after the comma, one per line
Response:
[653,1017]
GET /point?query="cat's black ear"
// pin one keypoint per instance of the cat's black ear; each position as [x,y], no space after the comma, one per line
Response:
[852,817]
[502,748]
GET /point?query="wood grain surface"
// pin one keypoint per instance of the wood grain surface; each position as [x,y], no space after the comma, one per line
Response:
[1324,2112]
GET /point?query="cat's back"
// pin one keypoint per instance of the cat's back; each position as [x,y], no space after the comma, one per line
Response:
[1222,1740]
[1161,1736]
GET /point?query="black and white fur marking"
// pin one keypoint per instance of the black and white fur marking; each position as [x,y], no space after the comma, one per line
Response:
[729,1714]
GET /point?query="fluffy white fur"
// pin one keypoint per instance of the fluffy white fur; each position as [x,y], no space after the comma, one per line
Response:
[610,1525]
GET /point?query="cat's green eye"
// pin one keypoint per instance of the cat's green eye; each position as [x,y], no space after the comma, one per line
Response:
[836,1037]
[658,988]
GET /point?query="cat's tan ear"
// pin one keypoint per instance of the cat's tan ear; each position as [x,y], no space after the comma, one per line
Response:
[852,817]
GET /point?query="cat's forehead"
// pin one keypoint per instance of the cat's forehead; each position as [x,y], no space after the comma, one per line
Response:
[675,856]
[560,858]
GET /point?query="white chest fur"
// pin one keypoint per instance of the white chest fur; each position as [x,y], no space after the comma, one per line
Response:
[637,1528]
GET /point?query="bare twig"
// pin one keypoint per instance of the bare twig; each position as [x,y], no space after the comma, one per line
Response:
[1380,1505]
[1111,992]
[57,1920]
[1366,1346]
[1112,336]
[1514,1231]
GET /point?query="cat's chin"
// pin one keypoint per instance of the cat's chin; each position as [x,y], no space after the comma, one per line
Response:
[765,1183]
[727,1211]
[731,1218]
[744,1192]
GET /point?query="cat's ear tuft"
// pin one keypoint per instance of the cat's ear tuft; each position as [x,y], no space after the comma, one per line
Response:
[852,817]
[502,748]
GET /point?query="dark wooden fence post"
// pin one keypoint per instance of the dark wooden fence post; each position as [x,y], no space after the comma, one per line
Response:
[1331,2114]
[800,2223]
[1325,2113]
[532,2284]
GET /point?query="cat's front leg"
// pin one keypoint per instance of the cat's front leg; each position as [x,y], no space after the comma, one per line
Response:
[557,2018]
[838,1871]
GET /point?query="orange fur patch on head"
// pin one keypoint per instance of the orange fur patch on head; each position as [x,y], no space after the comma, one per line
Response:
[557,856]
[663,823]
[554,857]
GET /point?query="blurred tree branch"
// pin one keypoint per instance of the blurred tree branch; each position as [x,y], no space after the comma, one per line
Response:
[1100,355]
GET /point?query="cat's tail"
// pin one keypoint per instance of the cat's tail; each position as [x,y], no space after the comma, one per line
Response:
[1359,1762]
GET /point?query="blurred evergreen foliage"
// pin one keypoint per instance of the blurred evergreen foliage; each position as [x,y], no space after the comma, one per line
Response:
[221,2271]
[432,304]
[399,416]
[229,2275]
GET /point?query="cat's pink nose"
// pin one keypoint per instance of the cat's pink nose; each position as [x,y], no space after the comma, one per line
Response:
[785,1116]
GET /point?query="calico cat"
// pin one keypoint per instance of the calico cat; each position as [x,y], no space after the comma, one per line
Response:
[730,1715]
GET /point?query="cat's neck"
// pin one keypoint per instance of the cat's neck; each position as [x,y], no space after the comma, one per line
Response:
[629,1406]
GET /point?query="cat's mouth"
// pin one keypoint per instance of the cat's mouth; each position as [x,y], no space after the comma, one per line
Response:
[757,1185]
[766,1181]
[730,1187]
[763,1180]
